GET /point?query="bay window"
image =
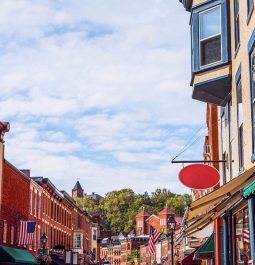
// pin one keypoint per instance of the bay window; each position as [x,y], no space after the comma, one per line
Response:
[209,35]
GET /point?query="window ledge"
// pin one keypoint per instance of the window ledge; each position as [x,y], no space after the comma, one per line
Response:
[249,15]
[237,49]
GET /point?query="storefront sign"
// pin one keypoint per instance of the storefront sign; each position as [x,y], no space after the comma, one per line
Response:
[199,176]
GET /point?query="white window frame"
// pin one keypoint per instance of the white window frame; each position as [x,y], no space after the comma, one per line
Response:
[201,40]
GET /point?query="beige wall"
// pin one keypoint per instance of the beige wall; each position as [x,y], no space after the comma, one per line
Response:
[242,57]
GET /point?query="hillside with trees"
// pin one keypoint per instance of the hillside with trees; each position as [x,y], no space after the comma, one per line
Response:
[119,208]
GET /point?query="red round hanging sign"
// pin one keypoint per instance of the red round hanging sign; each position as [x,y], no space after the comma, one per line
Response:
[199,176]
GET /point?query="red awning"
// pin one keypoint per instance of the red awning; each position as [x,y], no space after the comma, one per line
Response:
[189,260]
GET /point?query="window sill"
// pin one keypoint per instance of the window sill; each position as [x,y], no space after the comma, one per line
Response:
[237,49]
[249,15]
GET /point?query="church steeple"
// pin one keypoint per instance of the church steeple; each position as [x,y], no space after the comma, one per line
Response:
[77,190]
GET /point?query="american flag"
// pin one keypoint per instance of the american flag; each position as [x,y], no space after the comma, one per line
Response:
[154,237]
[26,232]
[246,236]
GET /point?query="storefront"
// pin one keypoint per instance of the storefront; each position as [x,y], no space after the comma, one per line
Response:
[233,206]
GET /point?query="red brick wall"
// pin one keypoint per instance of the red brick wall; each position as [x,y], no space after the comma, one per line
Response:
[15,200]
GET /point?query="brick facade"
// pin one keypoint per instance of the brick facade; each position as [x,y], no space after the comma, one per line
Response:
[14,203]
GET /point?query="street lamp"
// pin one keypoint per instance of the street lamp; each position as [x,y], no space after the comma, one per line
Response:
[44,240]
[171,225]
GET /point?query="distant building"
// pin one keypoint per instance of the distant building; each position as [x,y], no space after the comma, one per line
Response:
[93,196]
[77,191]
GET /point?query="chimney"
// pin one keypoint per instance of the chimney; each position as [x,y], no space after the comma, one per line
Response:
[4,127]
[26,172]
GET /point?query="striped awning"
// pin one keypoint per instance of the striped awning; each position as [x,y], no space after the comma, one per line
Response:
[249,191]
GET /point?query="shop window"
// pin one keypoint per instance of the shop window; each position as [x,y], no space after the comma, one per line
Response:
[242,237]
[209,35]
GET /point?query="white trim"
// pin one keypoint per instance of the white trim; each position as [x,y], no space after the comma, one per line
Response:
[201,40]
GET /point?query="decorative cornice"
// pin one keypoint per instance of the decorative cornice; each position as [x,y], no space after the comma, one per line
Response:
[4,127]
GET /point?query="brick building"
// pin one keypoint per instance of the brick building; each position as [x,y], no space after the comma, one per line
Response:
[35,212]
[14,203]
[56,215]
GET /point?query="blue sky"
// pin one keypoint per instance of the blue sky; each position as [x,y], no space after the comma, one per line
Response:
[98,90]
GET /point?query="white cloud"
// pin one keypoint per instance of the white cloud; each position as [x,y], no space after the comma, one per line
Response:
[97,90]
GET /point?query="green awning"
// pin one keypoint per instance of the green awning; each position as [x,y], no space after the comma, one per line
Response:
[8,254]
[206,251]
[249,191]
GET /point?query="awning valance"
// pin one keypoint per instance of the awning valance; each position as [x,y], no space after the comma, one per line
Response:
[189,260]
[206,251]
[249,191]
[8,254]
[222,194]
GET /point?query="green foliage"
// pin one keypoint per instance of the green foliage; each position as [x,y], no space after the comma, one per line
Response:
[88,204]
[118,209]
[135,255]
[178,203]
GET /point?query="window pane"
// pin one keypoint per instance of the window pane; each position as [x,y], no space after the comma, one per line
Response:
[210,23]
[242,233]
[210,50]
[239,104]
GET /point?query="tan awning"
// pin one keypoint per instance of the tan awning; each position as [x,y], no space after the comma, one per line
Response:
[225,192]
[205,210]
[213,214]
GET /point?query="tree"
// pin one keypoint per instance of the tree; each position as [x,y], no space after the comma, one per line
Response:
[88,204]
[178,203]
[116,206]
[134,256]
[159,198]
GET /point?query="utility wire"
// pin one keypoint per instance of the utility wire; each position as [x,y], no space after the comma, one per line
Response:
[190,141]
